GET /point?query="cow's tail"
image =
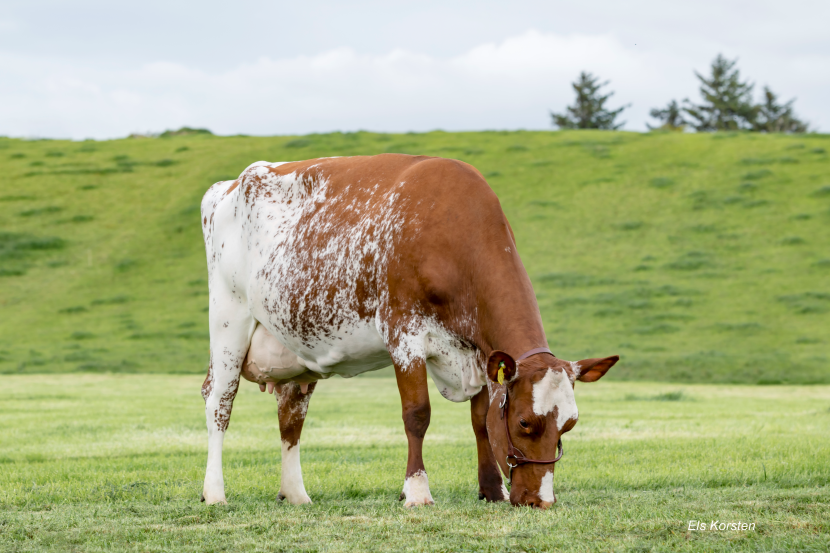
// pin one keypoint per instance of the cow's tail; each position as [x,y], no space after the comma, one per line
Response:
[211,200]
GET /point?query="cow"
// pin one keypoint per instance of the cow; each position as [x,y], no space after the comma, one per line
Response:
[339,266]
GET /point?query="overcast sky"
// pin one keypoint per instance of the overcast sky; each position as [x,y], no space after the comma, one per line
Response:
[103,68]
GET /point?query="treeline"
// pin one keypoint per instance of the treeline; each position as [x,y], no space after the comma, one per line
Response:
[726,105]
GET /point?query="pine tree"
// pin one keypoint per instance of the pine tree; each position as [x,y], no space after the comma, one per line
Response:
[588,112]
[671,118]
[727,101]
[774,117]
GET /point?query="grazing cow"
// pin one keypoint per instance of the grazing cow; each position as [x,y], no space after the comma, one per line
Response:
[347,265]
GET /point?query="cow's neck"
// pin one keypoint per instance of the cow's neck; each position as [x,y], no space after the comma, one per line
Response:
[513,330]
[507,315]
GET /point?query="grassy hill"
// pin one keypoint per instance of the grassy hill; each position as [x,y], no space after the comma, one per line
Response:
[696,257]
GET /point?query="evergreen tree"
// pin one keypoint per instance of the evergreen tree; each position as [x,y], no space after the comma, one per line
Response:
[588,112]
[774,117]
[671,118]
[727,101]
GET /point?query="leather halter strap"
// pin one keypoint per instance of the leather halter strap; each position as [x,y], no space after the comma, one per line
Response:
[514,453]
[533,351]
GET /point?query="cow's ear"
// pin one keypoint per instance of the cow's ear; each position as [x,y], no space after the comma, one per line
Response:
[500,361]
[591,370]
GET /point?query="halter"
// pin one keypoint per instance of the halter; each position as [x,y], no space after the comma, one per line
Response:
[513,452]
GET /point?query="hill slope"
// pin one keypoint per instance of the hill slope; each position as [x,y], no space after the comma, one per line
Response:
[696,257]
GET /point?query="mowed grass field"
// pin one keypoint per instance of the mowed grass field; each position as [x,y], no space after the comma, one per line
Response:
[697,258]
[115,463]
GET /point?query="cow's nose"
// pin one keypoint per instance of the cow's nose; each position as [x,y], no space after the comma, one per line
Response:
[544,505]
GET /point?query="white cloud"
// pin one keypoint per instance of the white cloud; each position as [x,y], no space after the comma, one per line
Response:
[509,84]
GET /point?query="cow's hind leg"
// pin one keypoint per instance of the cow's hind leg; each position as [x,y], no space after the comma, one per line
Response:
[413,387]
[490,485]
[293,407]
[229,339]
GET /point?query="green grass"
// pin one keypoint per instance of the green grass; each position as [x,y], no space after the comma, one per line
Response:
[698,258]
[115,463]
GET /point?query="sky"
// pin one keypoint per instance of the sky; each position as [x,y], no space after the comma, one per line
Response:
[103,69]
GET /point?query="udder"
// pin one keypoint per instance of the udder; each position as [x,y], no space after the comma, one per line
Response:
[270,363]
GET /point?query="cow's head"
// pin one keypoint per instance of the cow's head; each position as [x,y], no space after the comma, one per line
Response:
[540,410]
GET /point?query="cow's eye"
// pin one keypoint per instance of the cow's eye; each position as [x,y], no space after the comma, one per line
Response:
[523,423]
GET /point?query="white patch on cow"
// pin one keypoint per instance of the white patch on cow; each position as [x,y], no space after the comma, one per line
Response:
[291,479]
[407,341]
[546,488]
[346,351]
[555,390]
[263,164]
[416,490]
[505,493]
[575,368]
[454,369]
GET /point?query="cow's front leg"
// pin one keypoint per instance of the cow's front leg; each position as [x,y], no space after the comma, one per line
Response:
[293,407]
[413,387]
[490,484]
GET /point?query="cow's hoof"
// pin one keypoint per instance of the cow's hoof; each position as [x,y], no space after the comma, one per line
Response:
[418,503]
[300,499]
[416,490]
[214,500]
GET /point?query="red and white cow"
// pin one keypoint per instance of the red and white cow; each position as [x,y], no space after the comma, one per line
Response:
[347,265]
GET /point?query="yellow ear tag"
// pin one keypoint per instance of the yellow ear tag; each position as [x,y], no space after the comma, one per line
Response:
[501,373]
